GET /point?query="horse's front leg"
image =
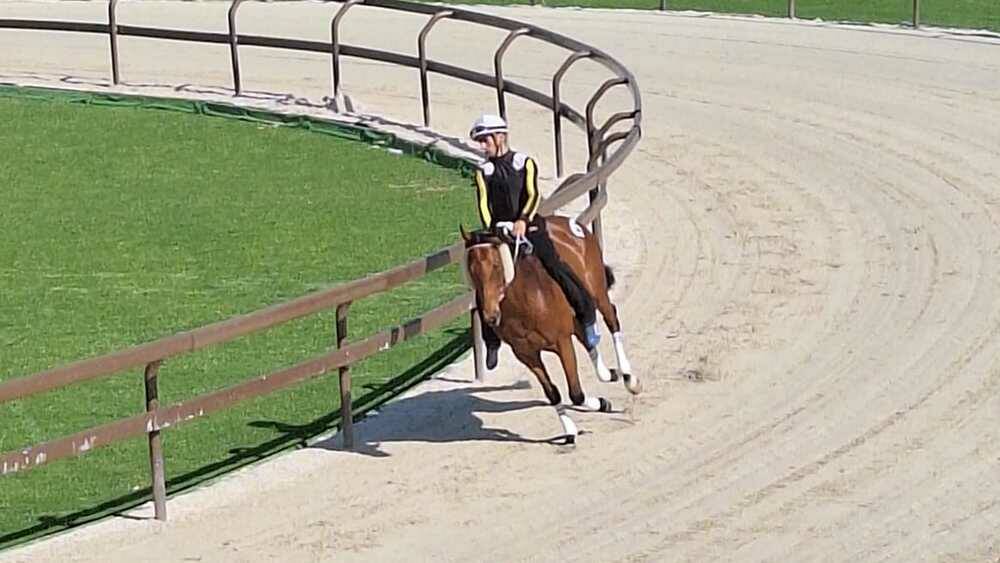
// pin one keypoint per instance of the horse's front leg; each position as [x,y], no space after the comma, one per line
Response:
[533,360]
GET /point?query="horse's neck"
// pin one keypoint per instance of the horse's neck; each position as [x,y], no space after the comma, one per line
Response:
[529,278]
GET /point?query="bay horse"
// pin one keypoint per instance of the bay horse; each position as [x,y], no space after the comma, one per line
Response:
[528,310]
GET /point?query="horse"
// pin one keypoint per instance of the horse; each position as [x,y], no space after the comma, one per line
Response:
[529,311]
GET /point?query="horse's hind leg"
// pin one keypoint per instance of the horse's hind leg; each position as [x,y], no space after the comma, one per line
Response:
[568,358]
[607,308]
[610,314]
[611,320]
[603,373]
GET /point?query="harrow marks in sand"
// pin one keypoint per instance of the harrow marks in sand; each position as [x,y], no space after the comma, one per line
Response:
[807,248]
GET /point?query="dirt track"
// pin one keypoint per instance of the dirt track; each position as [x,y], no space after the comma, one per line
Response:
[807,246]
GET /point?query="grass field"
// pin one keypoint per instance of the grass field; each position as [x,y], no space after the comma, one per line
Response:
[123,225]
[976,14]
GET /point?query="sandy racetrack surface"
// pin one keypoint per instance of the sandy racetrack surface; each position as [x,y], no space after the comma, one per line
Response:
[807,248]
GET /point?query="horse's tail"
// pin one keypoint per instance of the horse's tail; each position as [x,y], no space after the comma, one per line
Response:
[609,276]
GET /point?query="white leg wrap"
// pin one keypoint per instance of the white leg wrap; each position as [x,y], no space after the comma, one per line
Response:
[569,427]
[623,363]
[592,403]
[603,373]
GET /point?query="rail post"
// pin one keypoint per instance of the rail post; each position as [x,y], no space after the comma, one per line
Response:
[156,468]
[113,35]
[335,42]
[498,67]
[422,54]
[557,106]
[478,345]
[233,47]
[346,412]
[594,148]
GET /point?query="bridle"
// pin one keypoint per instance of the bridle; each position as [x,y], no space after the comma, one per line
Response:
[508,275]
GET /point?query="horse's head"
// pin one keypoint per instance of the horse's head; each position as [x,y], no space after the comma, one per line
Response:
[490,270]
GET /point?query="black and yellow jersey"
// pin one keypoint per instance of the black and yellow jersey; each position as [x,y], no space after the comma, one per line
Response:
[507,189]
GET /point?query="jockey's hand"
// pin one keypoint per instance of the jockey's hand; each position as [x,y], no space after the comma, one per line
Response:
[520,227]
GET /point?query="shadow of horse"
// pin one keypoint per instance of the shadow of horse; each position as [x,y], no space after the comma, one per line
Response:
[443,416]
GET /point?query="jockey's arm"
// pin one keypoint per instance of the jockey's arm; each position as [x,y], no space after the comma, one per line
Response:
[531,187]
[483,200]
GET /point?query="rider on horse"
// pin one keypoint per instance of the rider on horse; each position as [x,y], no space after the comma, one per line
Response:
[507,191]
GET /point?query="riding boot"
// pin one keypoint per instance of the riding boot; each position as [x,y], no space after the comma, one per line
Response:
[492,345]
[491,358]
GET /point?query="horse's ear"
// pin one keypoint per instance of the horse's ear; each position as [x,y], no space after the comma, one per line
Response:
[465,234]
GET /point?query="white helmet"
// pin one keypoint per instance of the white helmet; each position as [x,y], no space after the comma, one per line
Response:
[486,125]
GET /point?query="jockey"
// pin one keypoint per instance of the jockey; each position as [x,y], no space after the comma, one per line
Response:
[507,190]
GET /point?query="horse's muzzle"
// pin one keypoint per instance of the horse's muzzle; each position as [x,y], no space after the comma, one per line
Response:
[493,321]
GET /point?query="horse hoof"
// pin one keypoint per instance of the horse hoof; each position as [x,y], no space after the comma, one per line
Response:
[605,405]
[632,383]
[615,375]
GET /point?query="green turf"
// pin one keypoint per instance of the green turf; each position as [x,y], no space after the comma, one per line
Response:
[977,14]
[122,225]
[980,14]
